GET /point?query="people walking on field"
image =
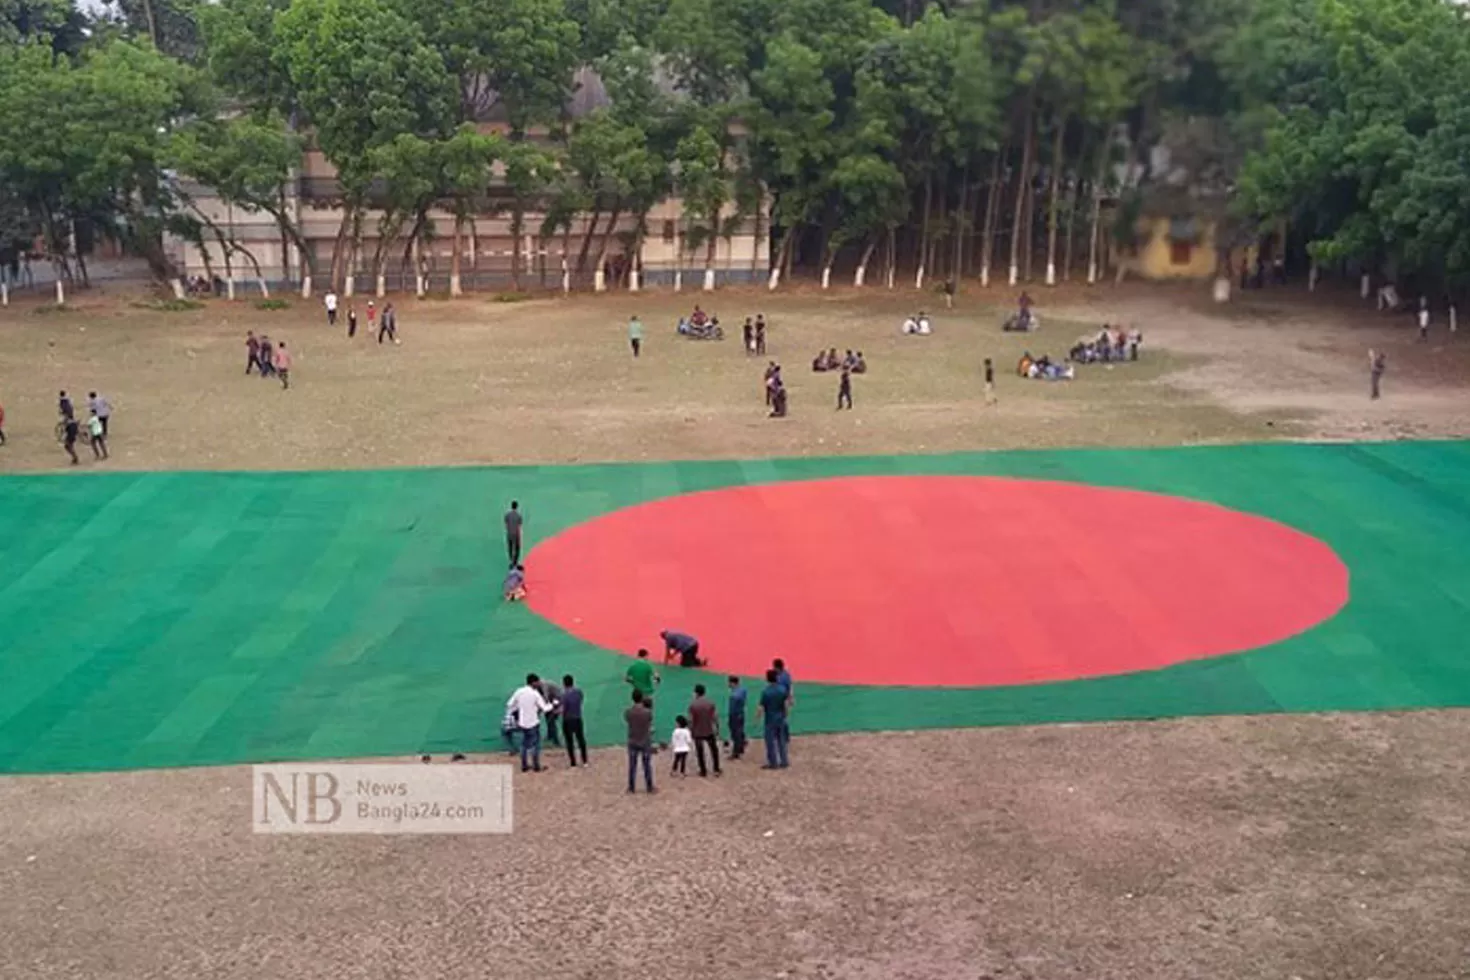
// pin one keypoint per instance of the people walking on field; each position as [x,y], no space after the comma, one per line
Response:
[252,352]
[351,322]
[704,725]
[266,357]
[372,316]
[513,523]
[97,434]
[639,719]
[760,335]
[1376,364]
[281,361]
[572,726]
[70,430]
[330,302]
[748,335]
[989,381]
[635,335]
[735,715]
[772,709]
[101,407]
[64,407]
[844,390]
[389,326]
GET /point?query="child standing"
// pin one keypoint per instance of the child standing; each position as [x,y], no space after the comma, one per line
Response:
[989,382]
[682,743]
[98,435]
[252,351]
[351,322]
[372,315]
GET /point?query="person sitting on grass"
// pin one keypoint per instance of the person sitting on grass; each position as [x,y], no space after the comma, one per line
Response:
[1023,366]
[833,364]
[515,584]
[859,366]
[819,363]
[698,318]
[682,645]
[910,326]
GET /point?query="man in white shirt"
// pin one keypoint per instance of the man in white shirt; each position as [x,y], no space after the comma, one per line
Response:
[526,707]
[330,300]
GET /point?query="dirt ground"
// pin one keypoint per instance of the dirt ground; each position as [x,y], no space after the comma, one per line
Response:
[1319,848]
[553,381]
[1326,847]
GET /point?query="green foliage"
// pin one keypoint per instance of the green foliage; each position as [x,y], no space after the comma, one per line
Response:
[273,304]
[171,304]
[511,297]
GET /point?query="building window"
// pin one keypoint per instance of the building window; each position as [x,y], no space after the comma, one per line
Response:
[1180,253]
[668,231]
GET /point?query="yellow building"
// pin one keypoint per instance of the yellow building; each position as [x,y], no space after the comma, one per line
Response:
[1171,248]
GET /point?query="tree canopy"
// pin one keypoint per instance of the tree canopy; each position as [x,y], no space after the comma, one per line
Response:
[953,137]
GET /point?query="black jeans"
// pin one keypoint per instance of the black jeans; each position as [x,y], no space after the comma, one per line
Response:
[513,548]
[552,733]
[576,738]
[637,346]
[331,318]
[844,398]
[700,741]
[737,736]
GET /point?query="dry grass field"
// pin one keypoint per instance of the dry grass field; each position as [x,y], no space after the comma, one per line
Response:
[1316,848]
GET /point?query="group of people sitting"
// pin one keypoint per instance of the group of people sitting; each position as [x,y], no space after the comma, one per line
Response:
[1110,345]
[775,391]
[1043,368]
[699,325]
[829,361]
[918,325]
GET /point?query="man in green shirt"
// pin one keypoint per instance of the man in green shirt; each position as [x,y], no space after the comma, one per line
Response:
[643,677]
[635,335]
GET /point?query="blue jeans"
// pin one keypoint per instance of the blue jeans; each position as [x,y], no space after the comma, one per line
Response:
[531,742]
[776,737]
[634,754]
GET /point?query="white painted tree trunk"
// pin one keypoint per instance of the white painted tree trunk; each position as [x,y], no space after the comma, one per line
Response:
[774,279]
[1312,278]
[381,286]
[349,285]
[1365,286]
[566,277]
[919,277]
[709,280]
[985,276]
[678,280]
[305,286]
[860,275]
[827,277]
[599,281]
[455,288]
[265,289]
[1222,289]
[5,294]
[1015,274]
[892,275]
[633,280]
[1454,320]
[1051,272]
[230,289]
[418,270]
[60,293]
[177,285]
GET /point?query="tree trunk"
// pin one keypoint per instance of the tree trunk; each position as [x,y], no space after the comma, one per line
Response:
[599,271]
[924,231]
[587,240]
[456,288]
[152,21]
[755,239]
[1074,194]
[960,211]
[861,274]
[335,278]
[1023,179]
[1054,205]
[783,252]
[992,218]
[709,251]
[1028,233]
[892,255]
[1094,239]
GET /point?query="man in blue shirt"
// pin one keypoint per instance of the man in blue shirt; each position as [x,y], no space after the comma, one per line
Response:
[683,646]
[773,709]
[737,717]
[783,677]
